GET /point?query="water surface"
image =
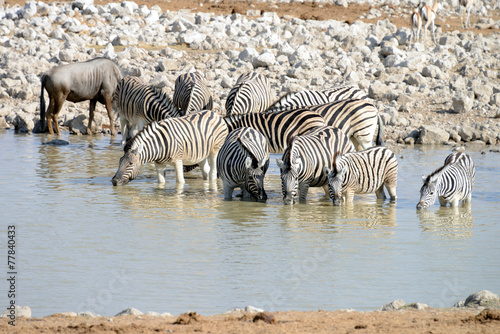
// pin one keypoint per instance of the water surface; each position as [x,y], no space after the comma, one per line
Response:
[84,245]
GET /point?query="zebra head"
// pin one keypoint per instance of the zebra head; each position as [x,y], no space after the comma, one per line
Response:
[429,191]
[129,166]
[335,179]
[254,182]
[289,180]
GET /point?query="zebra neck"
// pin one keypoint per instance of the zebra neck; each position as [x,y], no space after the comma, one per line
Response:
[153,145]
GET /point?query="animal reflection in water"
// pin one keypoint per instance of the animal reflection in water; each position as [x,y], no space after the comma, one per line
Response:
[451,222]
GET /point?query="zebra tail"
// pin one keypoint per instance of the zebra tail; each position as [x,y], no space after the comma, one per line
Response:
[379,141]
[42,103]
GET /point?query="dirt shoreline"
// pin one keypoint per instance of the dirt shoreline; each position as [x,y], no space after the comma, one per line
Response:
[403,321]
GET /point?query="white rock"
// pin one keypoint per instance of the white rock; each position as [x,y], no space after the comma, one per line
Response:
[264,60]
[129,311]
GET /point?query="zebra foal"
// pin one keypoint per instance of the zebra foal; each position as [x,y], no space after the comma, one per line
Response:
[192,139]
[304,159]
[191,93]
[278,127]
[308,98]
[362,173]
[242,162]
[139,104]
[250,94]
[451,183]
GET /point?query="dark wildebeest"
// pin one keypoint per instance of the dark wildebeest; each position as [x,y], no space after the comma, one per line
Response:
[93,80]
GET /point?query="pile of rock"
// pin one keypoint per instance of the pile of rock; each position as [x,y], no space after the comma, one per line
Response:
[426,93]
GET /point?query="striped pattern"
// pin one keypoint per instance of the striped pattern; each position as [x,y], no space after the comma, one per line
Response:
[451,183]
[250,94]
[363,172]
[277,127]
[242,162]
[359,119]
[139,104]
[192,139]
[307,98]
[191,93]
[305,158]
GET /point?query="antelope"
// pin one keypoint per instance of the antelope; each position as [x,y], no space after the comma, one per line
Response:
[416,25]
[428,15]
[468,6]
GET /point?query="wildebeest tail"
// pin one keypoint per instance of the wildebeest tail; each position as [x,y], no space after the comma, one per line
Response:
[43,79]
[379,141]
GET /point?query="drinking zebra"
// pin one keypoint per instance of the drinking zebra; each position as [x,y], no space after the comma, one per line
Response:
[307,98]
[242,162]
[192,139]
[250,94]
[139,104]
[304,159]
[451,183]
[277,127]
[362,172]
[191,93]
[357,118]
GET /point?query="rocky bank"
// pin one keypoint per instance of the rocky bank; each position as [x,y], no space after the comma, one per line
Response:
[426,93]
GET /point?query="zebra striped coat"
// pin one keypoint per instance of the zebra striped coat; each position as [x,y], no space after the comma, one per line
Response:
[305,158]
[358,119]
[192,139]
[139,104]
[277,127]
[250,94]
[191,93]
[308,98]
[242,162]
[451,183]
[362,172]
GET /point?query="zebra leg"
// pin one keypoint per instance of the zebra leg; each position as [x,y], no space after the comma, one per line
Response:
[443,202]
[303,190]
[212,161]
[380,192]
[205,168]
[348,196]
[392,192]
[160,169]
[179,172]
[325,189]
[228,190]
[124,129]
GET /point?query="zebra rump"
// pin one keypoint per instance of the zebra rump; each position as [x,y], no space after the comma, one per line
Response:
[305,158]
[192,139]
[242,162]
[362,172]
[191,93]
[308,98]
[139,104]
[250,94]
[451,183]
[279,127]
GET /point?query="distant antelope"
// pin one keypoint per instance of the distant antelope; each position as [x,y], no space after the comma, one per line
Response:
[428,15]
[468,6]
[416,25]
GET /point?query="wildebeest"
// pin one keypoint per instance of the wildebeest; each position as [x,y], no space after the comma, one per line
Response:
[93,80]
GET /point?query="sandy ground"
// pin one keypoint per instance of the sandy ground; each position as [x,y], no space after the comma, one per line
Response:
[407,321]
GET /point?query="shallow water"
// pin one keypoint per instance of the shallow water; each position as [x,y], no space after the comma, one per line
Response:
[84,245]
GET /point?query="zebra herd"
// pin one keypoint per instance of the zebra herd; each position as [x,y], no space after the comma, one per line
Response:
[317,132]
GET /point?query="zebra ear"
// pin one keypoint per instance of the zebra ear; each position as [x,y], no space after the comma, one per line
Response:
[326,170]
[248,162]
[139,149]
[262,162]
[424,178]
[279,162]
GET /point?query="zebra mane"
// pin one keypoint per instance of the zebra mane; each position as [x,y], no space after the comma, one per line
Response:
[451,159]
[336,156]
[134,142]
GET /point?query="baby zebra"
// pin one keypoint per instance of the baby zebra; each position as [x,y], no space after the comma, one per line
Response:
[450,183]
[242,162]
[304,159]
[362,172]
[192,139]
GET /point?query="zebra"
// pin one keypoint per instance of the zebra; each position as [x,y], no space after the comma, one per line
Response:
[191,93]
[250,94]
[242,162]
[304,159]
[362,172]
[139,104]
[451,183]
[358,118]
[307,98]
[277,127]
[192,139]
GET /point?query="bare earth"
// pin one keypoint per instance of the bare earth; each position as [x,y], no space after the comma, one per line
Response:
[407,321]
